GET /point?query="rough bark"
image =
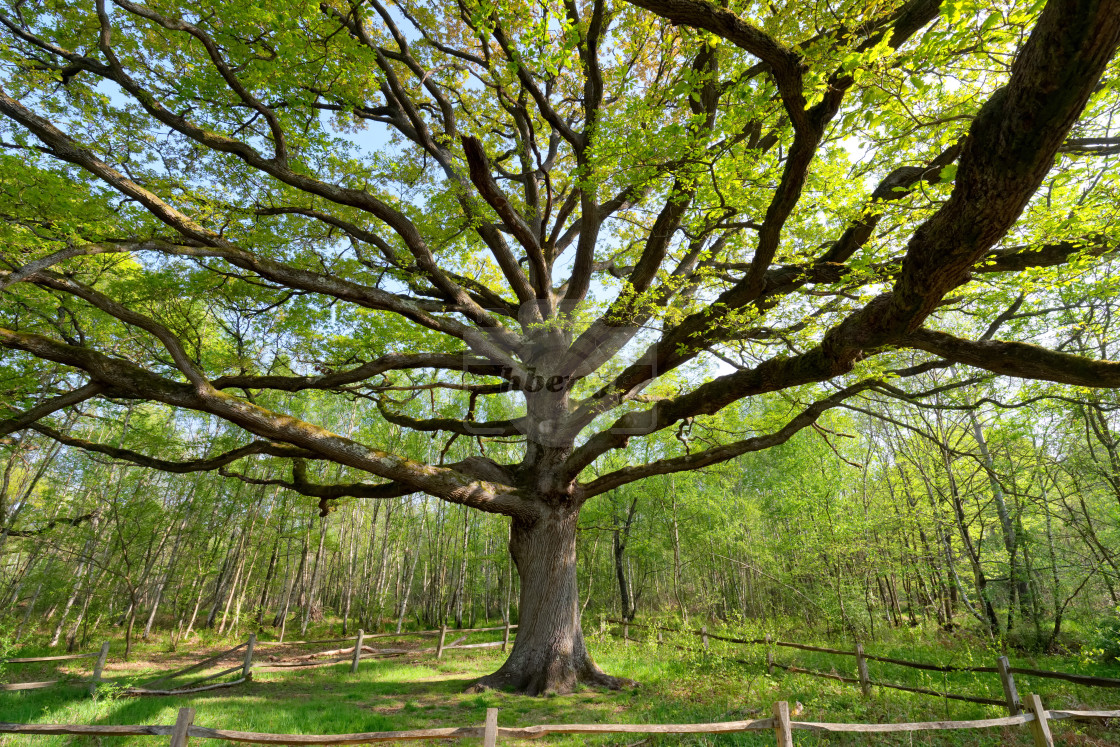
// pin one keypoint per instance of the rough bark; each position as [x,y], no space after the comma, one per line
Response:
[549,655]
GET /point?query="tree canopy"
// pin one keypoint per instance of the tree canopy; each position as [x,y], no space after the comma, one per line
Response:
[542,233]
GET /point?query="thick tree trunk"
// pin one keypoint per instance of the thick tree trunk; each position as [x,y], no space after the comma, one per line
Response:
[548,654]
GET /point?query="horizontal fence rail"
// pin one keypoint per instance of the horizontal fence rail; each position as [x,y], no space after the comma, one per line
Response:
[1077,679]
[184,729]
[65,657]
[29,685]
[987,723]
[929,667]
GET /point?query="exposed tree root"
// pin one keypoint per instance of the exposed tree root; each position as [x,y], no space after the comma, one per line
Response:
[559,680]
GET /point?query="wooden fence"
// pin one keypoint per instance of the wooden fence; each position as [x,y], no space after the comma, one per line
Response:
[93,681]
[1036,718]
[1002,667]
[354,654]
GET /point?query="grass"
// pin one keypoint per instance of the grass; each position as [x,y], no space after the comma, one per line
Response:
[676,686]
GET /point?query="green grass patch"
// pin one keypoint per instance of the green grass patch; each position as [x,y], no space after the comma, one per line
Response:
[676,686]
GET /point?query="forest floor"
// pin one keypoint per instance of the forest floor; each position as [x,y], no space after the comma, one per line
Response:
[679,684]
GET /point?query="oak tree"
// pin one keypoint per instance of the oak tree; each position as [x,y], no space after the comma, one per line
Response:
[542,230]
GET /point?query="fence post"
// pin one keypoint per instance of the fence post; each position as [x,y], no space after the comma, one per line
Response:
[505,636]
[660,638]
[1010,694]
[781,724]
[247,670]
[442,637]
[490,732]
[97,669]
[861,667]
[180,732]
[357,651]
[704,636]
[1039,728]
[769,656]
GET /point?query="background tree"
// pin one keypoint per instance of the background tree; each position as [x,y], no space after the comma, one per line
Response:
[536,233]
